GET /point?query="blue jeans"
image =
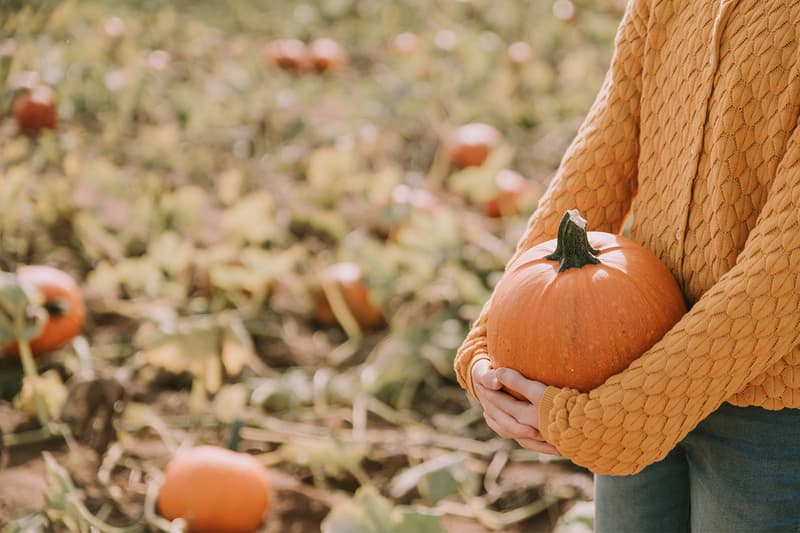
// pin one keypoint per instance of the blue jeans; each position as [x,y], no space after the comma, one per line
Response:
[737,471]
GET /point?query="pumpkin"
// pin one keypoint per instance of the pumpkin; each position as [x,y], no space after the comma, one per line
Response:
[63,301]
[406,43]
[288,54]
[471,144]
[519,52]
[403,204]
[348,278]
[575,310]
[159,60]
[113,28]
[565,11]
[215,490]
[326,54]
[35,109]
[512,191]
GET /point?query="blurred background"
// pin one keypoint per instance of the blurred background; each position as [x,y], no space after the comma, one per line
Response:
[282,217]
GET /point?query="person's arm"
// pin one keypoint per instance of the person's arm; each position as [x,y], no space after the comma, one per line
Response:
[597,174]
[734,333]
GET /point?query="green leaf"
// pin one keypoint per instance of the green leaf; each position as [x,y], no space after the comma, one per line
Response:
[369,512]
[437,478]
[20,315]
[194,349]
[229,402]
[251,220]
[333,457]
[237,346]
[47,386]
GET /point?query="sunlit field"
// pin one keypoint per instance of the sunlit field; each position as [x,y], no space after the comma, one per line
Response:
[280,246]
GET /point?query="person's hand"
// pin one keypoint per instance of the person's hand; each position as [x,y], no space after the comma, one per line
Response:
[508,417]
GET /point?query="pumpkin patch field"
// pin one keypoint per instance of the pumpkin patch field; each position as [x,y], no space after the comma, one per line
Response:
[240,243]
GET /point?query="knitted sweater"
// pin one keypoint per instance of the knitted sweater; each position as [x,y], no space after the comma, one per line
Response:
[698,121]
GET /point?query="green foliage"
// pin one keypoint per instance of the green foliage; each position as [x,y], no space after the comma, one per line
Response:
[369,512]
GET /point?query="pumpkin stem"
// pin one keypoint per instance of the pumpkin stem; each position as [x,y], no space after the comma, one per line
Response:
[56,307]
[236,435]
[572,246]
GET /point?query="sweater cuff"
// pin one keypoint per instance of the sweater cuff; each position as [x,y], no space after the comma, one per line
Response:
[545,406]
[468,377]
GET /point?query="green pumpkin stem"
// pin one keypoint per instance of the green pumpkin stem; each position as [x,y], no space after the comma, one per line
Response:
[572,246]
[236,435]
[56,307]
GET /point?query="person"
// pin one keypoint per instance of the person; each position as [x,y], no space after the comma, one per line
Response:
[697,120]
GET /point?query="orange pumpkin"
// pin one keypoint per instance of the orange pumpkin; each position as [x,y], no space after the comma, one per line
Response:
[512,191]
[406,43]
[215,490]
[288,54]
[350,281]
[575,310]
[35,109]
[565,11]
[326,54]
[519,52]
[63,301]
[471,144]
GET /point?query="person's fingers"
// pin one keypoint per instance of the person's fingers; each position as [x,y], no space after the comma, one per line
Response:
[493,425]
[538,446]
[485,376]
[522,411]
[532,390]
[506,425]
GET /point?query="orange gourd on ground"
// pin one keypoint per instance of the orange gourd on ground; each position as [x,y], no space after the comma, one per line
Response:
[470,144]
[349,280]
[35,109]
[326,54]
[288,54]
[215,490]
[575,310]
[511,189]
[63,301]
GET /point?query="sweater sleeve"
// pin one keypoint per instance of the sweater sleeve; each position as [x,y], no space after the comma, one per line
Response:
[739,328]
[597,174]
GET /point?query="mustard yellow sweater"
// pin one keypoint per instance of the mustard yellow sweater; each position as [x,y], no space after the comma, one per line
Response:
[698,121]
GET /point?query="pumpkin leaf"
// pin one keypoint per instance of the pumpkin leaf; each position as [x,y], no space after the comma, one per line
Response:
[237,346]
[194,349]
[332,457]
[21,316]
[436,479]
[330,168]
[478,183]
[291,390]
[369,512]
[251,220]
[47,386]
[229,402]
[229,186]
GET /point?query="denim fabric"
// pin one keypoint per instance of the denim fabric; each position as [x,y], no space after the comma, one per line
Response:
[738,471]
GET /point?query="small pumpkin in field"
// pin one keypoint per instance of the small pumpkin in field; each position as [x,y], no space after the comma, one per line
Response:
[575,310]
[565,11]
[288,54]
[326,54]
[512,192]
[63,301]
[35,109]
[401,206]
[470,144]
[215,490]
[349,280]
[519,52]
